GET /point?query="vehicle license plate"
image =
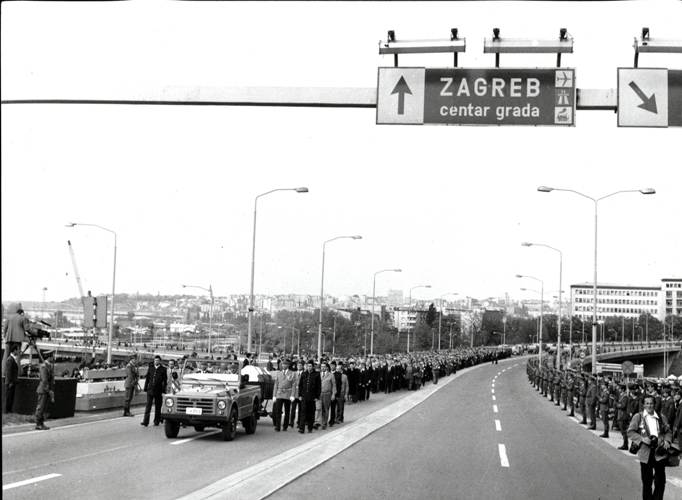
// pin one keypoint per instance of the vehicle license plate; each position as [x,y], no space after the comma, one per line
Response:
[193,411]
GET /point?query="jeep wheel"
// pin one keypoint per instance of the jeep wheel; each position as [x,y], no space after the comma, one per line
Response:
[199,428]
[230,427]
[250,422]
[172,428]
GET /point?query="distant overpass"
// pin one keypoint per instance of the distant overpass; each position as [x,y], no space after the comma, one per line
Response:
[650,355]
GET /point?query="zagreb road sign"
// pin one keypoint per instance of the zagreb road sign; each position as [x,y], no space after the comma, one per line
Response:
[495,96]
[649,97]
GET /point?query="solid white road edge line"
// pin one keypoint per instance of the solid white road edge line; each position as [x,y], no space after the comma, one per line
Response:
[498,426]
[504,461]
[264,478]
[28,481]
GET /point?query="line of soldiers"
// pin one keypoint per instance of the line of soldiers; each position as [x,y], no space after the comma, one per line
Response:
[599,397]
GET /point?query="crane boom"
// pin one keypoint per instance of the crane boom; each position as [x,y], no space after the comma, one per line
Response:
[75,270]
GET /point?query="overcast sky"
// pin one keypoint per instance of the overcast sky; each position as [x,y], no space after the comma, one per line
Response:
[448,205]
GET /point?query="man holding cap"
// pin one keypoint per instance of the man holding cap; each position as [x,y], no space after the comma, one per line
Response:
[45,390]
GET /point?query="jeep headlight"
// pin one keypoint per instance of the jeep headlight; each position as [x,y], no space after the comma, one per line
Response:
[169,402]
[221,405]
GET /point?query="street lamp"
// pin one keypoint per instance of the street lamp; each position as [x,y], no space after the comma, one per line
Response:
[210,314]
[113,282]
[546,189]
[440,316]
[253,259]
[319,324]
[374,287]
[542,303]
[558,342]
[408,311]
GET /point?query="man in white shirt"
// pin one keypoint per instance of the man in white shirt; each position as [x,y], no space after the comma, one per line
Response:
[653,435]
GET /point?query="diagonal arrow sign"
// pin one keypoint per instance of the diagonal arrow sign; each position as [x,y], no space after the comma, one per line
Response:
[401,88]
[648,103]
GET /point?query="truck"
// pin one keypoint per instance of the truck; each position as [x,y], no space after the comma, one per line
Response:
[212,394]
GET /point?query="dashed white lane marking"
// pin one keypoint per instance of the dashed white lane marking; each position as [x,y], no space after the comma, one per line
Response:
[202,435]
[493,391]
[493,386]
[494,397]
[28,481]
[498,426]
[504,461]
[495,408]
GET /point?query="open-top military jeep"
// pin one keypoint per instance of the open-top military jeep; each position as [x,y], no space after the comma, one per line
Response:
[212,394]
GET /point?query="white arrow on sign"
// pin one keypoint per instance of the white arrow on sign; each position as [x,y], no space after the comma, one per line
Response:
[642,97]
[400,95]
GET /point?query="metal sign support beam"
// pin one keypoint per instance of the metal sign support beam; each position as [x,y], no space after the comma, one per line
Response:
[307,97]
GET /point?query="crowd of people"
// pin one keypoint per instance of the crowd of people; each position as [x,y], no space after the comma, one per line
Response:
[646,412]
[310,393]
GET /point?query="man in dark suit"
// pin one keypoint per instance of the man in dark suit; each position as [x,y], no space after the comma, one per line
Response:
[154,386]
[309,387]
[45,390]
[11,376]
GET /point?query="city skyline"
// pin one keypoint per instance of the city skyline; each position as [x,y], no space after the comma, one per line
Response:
[449,205]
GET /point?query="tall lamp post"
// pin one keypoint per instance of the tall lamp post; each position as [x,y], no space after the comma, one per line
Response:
[561,258]
[408,311]
[546,189]
[542,303]
[210,314]
[319,323]
[440,316]
[253,259]
[374,288]
[113,282]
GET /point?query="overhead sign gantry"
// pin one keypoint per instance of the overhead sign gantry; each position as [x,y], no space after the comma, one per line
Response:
[481,96]
[650,97]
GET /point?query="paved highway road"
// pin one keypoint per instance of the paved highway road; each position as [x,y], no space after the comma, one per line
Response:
[483,436]
[484,433]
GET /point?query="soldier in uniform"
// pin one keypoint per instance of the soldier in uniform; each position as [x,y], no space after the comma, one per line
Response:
[623,415]
[591,402]
[45,390]
[582,391]
[564,390]
[557,386]
[570,390]
[550,383]
[603,397]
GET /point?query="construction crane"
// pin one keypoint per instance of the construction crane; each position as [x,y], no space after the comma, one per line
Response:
[75,270]
[80,290]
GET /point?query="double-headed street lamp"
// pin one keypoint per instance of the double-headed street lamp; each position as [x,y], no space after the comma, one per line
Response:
[253,258]
[408,311]
[558,342]
[440,316]
[210,314]
[545,189]
[374,288]
[113,283]
[542,302]
[319,323]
